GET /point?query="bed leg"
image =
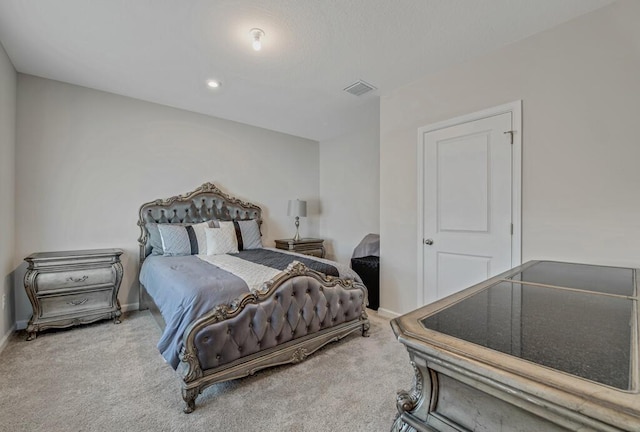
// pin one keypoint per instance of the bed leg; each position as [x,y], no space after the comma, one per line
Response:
[365,328]
[189,396]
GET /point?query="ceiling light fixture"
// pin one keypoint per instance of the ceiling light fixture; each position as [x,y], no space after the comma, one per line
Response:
[256,34]
[213,84]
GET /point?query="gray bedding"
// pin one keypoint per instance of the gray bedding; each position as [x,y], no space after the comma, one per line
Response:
[186,287]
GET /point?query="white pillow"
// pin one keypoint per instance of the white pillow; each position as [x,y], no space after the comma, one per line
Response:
[221,240]
[247,233]
[227,225]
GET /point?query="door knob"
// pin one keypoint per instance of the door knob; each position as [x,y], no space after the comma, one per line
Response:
[428,242]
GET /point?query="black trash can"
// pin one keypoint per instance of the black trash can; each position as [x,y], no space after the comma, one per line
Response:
[368,268]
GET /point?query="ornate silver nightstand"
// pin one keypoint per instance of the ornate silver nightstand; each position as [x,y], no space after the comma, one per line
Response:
[307,246]
[73,287]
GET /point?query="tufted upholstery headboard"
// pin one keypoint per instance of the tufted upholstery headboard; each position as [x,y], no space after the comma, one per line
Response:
[203,204]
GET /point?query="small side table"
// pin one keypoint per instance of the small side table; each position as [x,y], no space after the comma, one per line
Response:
[307,246]
[72,287]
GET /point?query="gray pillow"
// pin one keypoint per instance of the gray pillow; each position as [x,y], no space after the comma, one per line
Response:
[155,241]
[183,240]
[250,232]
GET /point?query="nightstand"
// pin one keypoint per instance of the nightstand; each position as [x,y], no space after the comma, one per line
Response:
[307,246]
[73,287]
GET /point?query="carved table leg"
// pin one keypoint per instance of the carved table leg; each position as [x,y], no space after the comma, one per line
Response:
[414,406]
[408,400]
[189,396]
[401,426]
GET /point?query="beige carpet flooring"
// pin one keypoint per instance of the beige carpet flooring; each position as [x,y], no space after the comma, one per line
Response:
[105,377]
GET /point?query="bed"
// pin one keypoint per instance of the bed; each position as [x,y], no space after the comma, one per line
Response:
[226,316]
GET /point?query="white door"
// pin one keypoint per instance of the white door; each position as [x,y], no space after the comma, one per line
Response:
[467,204]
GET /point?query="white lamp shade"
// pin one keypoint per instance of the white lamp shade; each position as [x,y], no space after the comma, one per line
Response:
[297,208]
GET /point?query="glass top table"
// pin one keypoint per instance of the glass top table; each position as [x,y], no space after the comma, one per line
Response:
[574,318]
[556,341]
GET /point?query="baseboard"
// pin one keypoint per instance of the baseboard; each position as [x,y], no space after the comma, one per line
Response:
[5,339]
[129,307]
[21,324]
[387,313]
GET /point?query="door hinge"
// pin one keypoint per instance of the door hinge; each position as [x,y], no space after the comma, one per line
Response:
[510,135]
[511,229]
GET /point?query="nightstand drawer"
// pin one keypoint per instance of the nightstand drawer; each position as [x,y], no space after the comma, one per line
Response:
[312,252]
[46,281]
[67,304]
[307,246]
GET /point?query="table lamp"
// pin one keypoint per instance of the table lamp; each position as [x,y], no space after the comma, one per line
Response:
[297,208]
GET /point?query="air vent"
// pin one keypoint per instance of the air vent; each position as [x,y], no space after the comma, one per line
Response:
[359,88]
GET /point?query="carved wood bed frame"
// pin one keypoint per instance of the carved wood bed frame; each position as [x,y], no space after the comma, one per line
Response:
[206,203]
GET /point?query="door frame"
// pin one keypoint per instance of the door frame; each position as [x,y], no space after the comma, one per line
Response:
[515,108]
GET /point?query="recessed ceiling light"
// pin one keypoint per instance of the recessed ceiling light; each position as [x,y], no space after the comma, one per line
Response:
[256,35]
[213,84]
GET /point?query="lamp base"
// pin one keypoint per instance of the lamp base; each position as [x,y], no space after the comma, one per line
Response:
[297,236]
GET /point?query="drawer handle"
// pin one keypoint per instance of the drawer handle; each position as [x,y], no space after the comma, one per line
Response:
[81,279]
[77,302]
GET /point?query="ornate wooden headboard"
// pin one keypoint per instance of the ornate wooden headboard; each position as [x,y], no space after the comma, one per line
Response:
[203,204]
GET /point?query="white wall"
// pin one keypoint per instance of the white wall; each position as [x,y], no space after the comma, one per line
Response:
[350,185]
[8,86]
[580,86]
[86,160]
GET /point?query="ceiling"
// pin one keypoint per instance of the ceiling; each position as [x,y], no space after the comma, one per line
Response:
[165,51]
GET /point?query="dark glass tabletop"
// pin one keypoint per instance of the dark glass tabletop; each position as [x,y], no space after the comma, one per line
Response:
[578,332]
[610,280]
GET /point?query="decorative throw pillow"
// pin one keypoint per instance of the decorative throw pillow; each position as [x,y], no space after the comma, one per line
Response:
[250,233]
[231,226]
[154,238]
[183,240]
[247,233]
[221,240]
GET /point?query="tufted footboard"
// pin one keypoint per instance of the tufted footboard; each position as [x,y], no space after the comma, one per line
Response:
[290,317]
